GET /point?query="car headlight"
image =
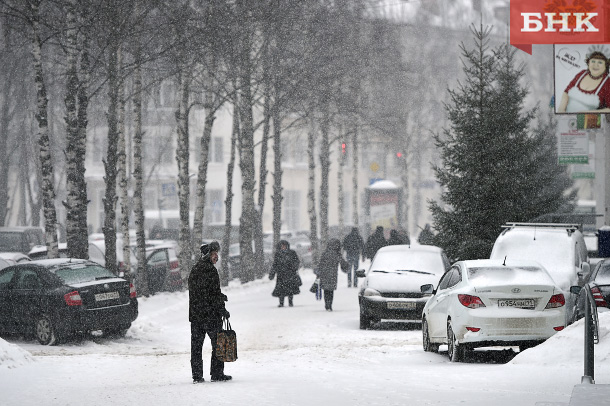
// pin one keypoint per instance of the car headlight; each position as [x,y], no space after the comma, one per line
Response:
[371,292]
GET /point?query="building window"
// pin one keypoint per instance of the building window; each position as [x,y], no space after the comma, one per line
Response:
[292,203]
[214,206]
[216,150]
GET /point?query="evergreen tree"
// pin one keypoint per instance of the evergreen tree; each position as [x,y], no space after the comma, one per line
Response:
[495,167]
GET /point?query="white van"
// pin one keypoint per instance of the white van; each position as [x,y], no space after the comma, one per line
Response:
[560,248]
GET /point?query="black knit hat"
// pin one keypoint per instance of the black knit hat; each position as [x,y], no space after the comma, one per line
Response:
[206,249]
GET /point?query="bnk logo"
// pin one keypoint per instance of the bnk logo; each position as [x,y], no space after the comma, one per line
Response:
[557,22]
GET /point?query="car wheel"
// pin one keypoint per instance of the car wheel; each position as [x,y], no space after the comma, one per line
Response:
[428,346]
[44,330]
[454,350]
[365,322]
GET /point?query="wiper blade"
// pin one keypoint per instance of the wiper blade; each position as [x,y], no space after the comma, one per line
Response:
[414,271]
[97,278]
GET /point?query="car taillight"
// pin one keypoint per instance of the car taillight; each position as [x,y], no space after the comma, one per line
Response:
[73,299]
[173,264]
[599,298]
[556,301]
[473,329]
[472,302]
[132,291]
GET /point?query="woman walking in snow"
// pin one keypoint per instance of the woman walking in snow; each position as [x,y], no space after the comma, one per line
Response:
[329,268]
[286,266]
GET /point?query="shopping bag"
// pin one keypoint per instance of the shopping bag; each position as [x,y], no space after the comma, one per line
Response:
[226,343]
[316,285]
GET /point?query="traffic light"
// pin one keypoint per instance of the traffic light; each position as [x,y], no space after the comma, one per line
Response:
[343,148]
[400,159]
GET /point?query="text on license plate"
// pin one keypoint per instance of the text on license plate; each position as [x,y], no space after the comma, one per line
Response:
[521,303]
[401,305]
[106,296]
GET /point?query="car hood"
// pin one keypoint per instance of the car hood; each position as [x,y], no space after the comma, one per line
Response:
[398,281]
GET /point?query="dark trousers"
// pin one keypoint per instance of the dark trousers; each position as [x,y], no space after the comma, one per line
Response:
[198,332]
[289,300]
[353,261]
[328,298]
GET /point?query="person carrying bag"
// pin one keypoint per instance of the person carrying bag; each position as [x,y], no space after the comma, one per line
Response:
[226,343]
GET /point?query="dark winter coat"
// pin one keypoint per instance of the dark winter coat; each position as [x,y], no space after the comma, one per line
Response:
[375,241]
[353,244]
[396,238]
[328,267]
[206,301]
[286,267]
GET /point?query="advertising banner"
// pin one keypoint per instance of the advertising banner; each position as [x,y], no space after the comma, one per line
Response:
[586,171]
[573,143]
[582,83]
[557,22]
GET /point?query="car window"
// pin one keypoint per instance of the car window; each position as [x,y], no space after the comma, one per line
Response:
[28,279]
[158,256]
[83,273]
[456,277]
[10,242]
[445,261]
[603,274]
[5,279]
[444,283]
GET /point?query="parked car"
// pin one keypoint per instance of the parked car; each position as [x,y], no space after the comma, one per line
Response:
[20,239]
[391,287]
[97,253]
[302,246]
[559,248]
[163,269]
[235,258]
[40,251]
[483,303]
[14,257]
[54,299]
[599,282]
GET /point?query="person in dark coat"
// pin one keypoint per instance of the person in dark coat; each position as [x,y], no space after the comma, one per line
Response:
[206,311]
[328,269]
[398,238]
[376,240]
[286,266]
[426,236]
[353,244]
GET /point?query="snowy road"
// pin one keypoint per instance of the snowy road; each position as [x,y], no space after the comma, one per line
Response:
[288,356]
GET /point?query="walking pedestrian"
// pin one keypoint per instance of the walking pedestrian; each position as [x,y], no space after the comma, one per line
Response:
[375,241]
[206,312]
[286,266]
[353,244]
[328,269]
[398,238]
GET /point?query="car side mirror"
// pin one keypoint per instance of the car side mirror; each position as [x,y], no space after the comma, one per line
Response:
[360,273]
[575,289]
[427,289]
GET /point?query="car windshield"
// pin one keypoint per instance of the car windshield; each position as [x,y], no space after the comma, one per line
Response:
[506,274]
[83,273]
[409,262]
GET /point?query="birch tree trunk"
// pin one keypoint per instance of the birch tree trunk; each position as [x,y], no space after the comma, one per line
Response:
[355,165]
[325,172]
[226,241]
[277,177]
[110,164]
[340,192]
[46,161]
[259,254]
[123,182]
[78,246]
[182,158]
[311,194]
[138,204]
[246,153]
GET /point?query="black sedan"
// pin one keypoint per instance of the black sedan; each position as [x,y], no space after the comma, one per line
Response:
[599,281]
[55,299]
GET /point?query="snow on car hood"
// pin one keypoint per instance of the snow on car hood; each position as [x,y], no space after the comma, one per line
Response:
[400,280]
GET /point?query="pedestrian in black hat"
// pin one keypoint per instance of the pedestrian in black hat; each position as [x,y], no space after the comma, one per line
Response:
[206,311]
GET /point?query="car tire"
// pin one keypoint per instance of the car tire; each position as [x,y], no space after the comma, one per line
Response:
[454,350]
[45,331]
[428,346]
[365,322]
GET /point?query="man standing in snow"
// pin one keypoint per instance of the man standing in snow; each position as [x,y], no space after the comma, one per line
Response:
[206,311]
[353,244]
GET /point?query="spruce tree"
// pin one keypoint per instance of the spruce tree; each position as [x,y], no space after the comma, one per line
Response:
[494,166]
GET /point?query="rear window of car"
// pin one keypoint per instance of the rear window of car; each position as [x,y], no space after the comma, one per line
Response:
[505,274]
[83,273]
[603,275]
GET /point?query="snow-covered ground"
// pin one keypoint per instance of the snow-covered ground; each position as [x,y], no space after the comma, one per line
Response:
[289,356]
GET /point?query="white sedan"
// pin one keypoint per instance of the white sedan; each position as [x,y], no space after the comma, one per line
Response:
[483,303]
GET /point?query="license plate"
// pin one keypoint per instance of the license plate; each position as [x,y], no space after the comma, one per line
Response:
[520,303]
[401,305]
[99,297]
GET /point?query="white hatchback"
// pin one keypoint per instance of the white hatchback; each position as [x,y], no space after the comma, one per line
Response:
[483,303]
